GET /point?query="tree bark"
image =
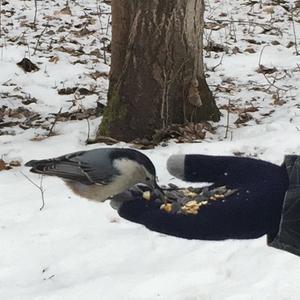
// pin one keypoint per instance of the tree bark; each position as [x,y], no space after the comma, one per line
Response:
[157,75]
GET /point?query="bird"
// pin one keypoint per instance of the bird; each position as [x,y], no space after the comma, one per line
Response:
[99,174]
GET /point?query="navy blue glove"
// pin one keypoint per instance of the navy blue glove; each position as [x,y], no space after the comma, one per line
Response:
[253,211]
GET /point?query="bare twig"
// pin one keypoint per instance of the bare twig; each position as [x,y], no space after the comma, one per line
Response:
[232,30]
[40,187]
[0,19]
[89,129]
[108,23]
[260,67]
[273,83]
[42,192]
[99,13]
[38,40]
[104,52]
[260,55]
[54,122]
[294,31]
[35,13]
[102,139]
[213,69]
[227,119]
[250,23]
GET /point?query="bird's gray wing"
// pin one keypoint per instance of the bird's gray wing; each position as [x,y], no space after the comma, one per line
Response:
[87,167]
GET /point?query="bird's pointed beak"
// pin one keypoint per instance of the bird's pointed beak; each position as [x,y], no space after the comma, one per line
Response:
[157,188]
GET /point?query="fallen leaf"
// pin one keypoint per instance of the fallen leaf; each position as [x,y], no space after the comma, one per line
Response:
[266,70]
[243,118]
[2,165]
[54,59]
[250,50]
[15,163]
[27,65]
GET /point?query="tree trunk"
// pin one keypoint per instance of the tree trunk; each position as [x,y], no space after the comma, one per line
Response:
[157,75]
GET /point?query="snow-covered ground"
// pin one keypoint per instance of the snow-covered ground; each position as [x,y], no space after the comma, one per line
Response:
[76,249]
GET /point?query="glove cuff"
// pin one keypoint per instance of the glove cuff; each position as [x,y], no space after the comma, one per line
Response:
[176,165]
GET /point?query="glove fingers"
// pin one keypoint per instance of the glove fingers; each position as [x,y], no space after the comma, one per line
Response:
[135,209]
[228,170]
[217,221]
[246,214]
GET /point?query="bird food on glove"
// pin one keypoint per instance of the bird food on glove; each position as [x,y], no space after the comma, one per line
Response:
[187,201]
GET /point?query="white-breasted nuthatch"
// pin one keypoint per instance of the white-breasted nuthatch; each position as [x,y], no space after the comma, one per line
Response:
[101,173]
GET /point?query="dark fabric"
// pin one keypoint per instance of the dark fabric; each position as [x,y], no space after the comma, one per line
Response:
[288,236]
[252,212]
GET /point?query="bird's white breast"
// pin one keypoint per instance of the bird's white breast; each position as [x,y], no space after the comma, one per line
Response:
[131,173]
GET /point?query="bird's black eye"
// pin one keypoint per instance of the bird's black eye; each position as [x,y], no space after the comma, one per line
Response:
[148,178]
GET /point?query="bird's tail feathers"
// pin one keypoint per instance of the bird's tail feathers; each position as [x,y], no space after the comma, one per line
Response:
[53,167]
[40,166]
[44,166]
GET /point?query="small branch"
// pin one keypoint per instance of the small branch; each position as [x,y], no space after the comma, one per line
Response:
[35,13]
[40,187]
[54,122]
[0,18]
[104,52]
[42,192]
[102,139]
[249,22]
[99,13]
[107,28]
[294,31]
[38,40]
[232,31]
[227,120]
[260,55]
[213,69]
[89,129]
[273,83]
[263,73]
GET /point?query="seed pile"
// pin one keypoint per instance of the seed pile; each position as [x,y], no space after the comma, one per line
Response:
[186,201]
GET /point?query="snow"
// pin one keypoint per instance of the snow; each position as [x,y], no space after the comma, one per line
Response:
[76,249]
